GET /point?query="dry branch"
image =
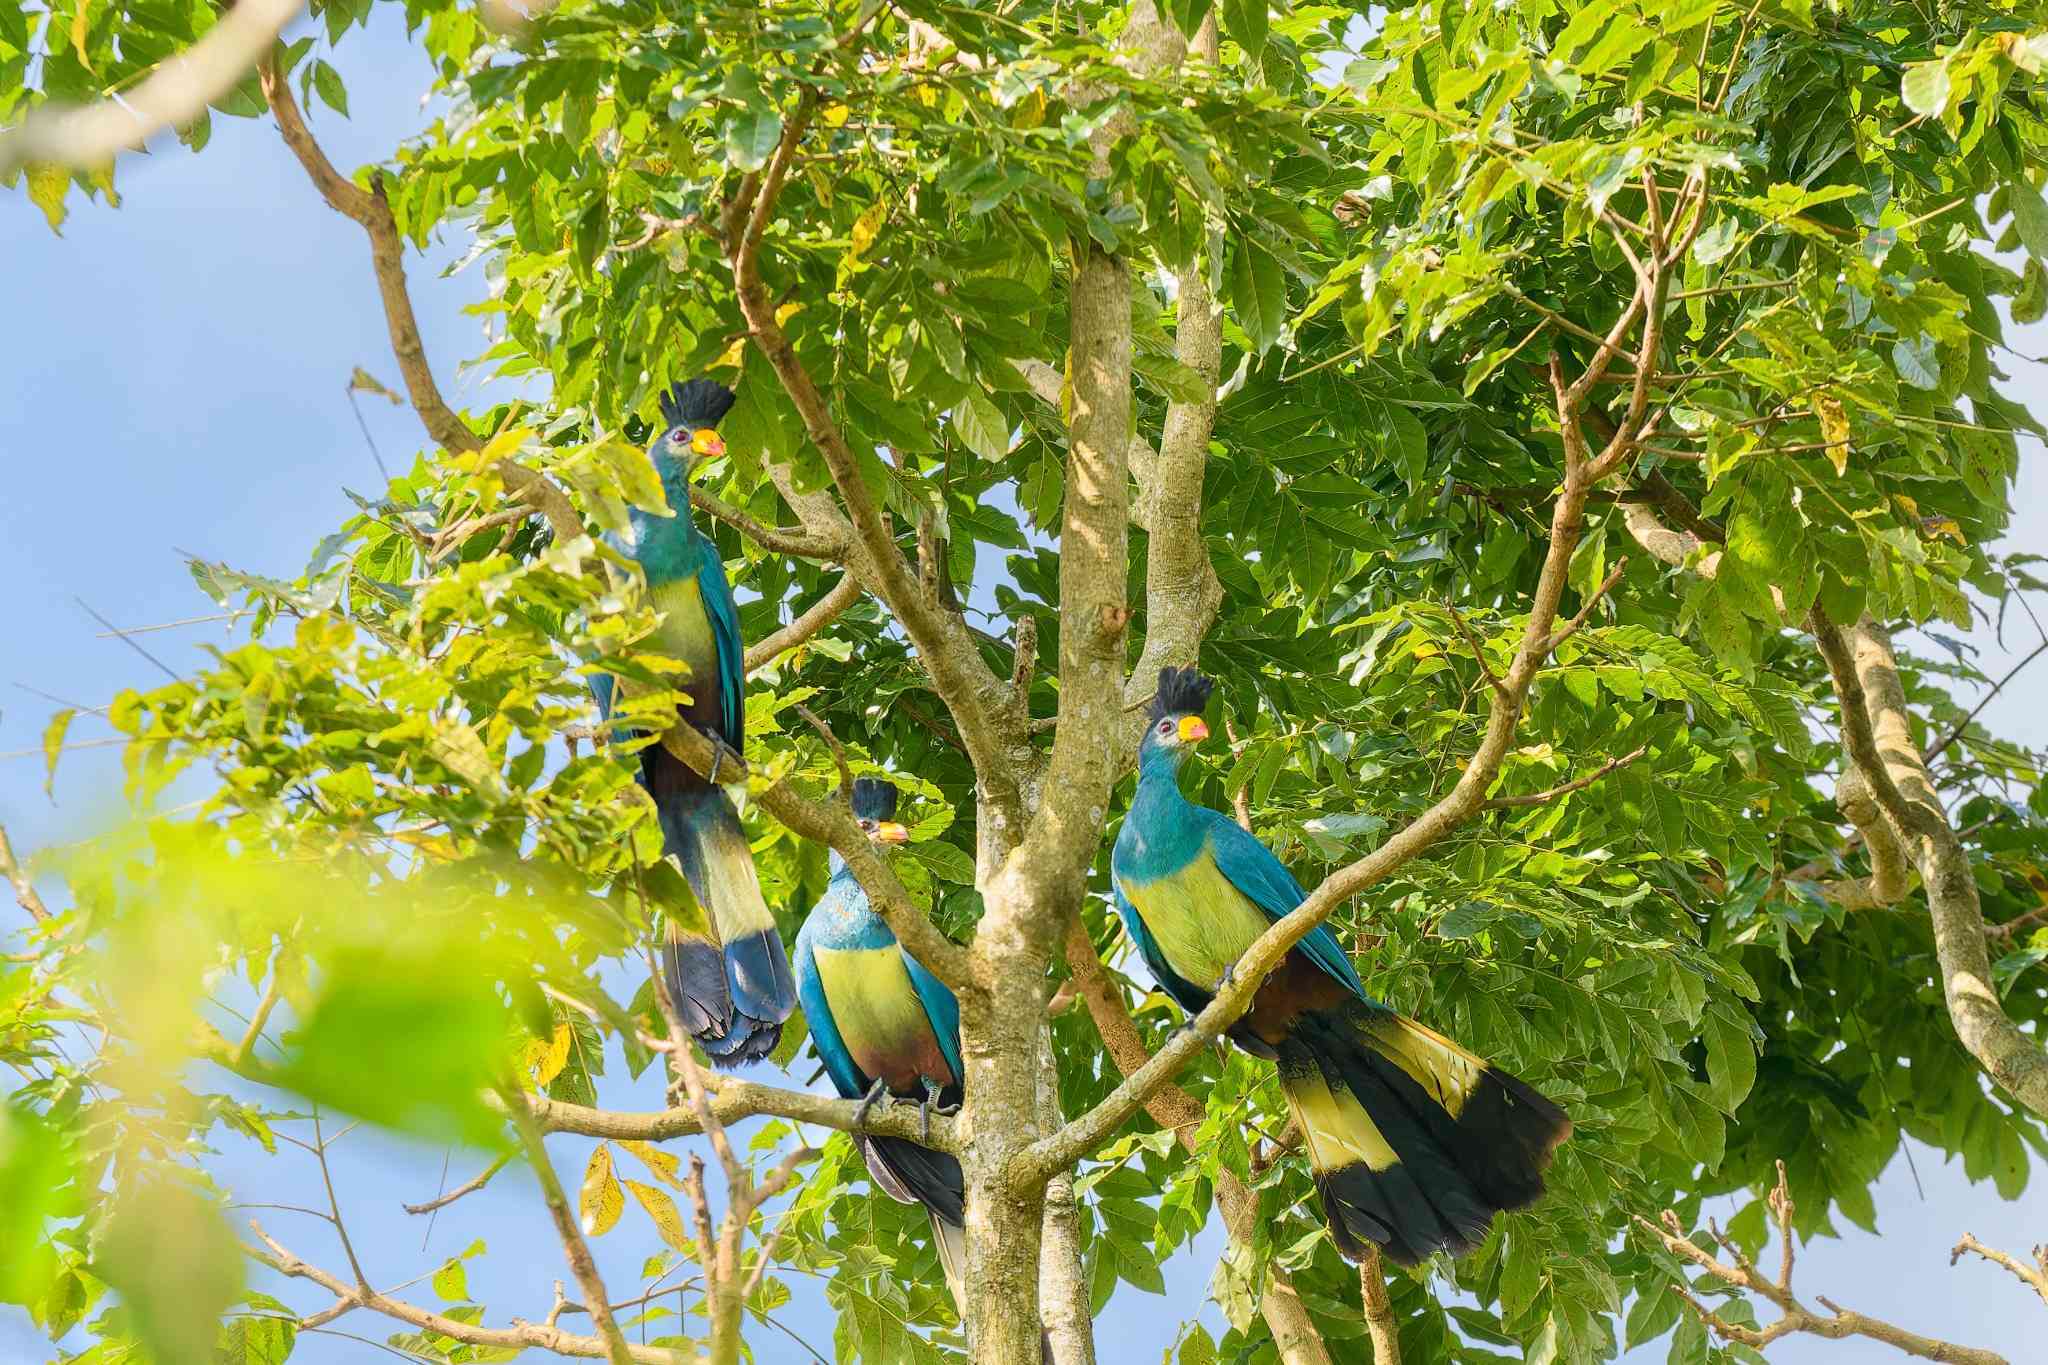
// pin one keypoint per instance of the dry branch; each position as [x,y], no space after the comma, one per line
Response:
[17,876]
[372,211]
[1794,1316]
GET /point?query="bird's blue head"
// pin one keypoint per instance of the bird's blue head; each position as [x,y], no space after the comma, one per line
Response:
[690,414]
[1175,725]
[874,810]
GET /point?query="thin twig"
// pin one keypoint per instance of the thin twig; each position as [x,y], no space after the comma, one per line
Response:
[1550,794]
[467,1187]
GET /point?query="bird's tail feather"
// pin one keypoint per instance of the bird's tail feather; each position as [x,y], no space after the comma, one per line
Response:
[1414,1142]
[728,973]
[951,1241]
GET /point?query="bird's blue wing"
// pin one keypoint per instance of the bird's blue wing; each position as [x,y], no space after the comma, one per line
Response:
[732,651]
[942,1009]
[1185,993]
[846,1075]
[1266,882]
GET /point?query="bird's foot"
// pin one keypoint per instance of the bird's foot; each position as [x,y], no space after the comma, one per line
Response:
[868,1102]
[925,1107]
[1229,978]
[720,752]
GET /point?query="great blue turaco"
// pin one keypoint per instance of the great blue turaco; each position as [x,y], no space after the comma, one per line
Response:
[1414,1143]
[883,1025]
[725,968]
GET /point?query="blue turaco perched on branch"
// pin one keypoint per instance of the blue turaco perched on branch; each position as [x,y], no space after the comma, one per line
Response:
[1414,1142]
[726,970]
[882,1024]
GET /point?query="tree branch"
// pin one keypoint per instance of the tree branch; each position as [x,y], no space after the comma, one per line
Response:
[175,93]
[567,1229]
[732,1100]
[1379,1311]
[775,539]
[372,211]
[1793,1315]
[2034,1277]
[467,1187]
[518,1336]
[947,651]
[1549,794]
[1878,735]
[815,618]
[25,893]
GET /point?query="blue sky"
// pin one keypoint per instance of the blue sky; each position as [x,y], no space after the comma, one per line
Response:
[175,378]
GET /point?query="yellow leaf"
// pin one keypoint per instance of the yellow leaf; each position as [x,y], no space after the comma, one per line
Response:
[787,311]
[1941,524]
[47,186]
[661,1163]
[865,229]
[1030,111]
[835,115]
[546,1060]
[662,1209]
[503,444]
[79,27]
[601,1202]
[733,354]
[1834,429]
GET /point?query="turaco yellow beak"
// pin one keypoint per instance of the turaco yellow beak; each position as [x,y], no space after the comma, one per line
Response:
[889,832]
[1192,728]
[708,444]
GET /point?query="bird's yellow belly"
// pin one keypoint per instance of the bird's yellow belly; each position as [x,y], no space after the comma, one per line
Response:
[880,1018]
[685,632]
[1202,923]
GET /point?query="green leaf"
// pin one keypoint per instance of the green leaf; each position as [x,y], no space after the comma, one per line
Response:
[1925,87]
[1245,21]
[752,132]
[405,1041]
[2030,217]
[2030,304]
[264,1340]
[1716,241]
[327,81]
[451,1281]
[174,1301]
[1917,362]
[981,426]
[1258,293]
[35,1181]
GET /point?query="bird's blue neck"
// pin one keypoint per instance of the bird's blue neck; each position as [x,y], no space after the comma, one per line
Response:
[668,546]
[1160,833]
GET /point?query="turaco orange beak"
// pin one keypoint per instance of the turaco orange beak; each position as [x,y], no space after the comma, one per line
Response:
[889,832]
[1192,728]
[708,444]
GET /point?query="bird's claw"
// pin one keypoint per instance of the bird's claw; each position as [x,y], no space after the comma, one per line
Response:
[927,1105]
[1228,979]
[868,1102]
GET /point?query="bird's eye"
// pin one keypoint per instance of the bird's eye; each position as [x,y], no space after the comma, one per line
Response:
[679,438]
[1165,727]
[868,825]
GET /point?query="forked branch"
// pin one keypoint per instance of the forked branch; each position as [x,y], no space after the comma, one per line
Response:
[1793,1316]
